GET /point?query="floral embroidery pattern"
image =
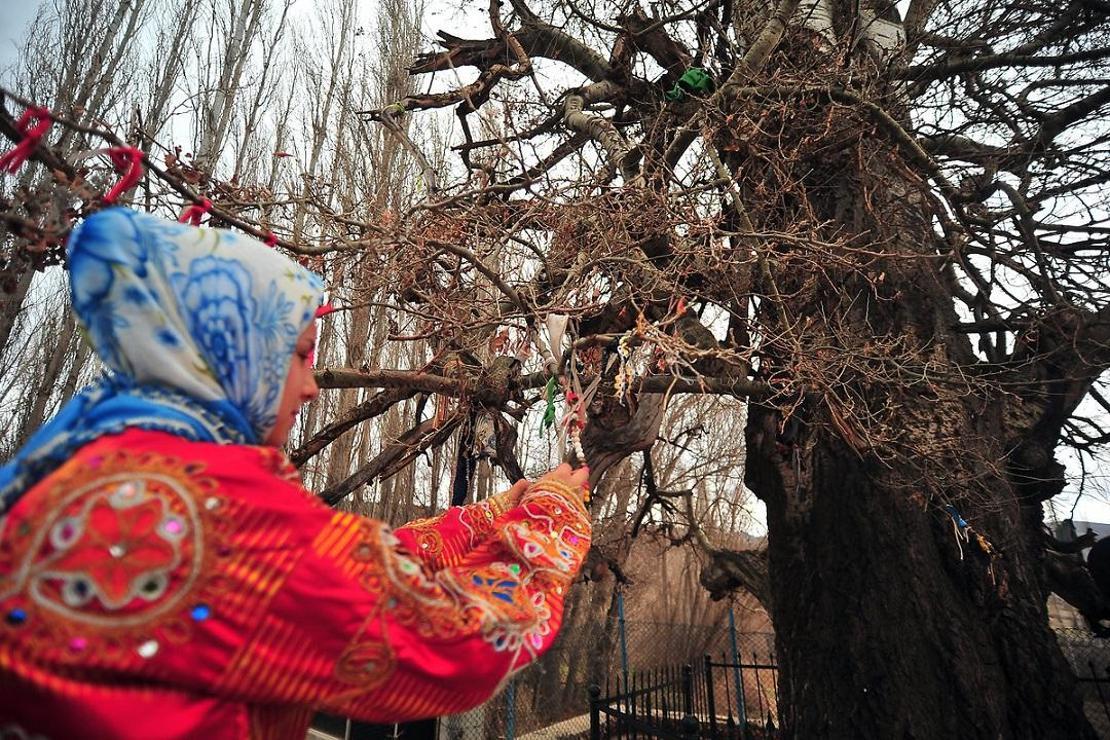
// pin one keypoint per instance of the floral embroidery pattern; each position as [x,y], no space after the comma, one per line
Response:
[428,538]
[468,526]
[226,560]
[118,546]
[121,547]
[513,617]
[365,664]
[501,600]
[556,547]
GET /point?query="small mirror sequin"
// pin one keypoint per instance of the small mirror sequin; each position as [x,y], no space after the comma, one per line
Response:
[148,649]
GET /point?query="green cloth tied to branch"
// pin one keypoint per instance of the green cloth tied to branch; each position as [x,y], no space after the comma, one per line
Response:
[695,80]
[549,412]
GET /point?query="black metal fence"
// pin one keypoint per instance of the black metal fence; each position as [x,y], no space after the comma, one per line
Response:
[550,698]
[722,699]
[750,697]
[659,703]
[735,696]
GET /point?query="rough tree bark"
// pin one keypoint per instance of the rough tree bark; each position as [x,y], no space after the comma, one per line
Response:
[886,625]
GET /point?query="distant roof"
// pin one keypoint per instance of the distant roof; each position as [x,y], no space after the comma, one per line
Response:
[1068,530]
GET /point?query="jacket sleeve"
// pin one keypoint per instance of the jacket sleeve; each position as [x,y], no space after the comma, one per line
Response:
[444,540]
[209,571]
[362,628]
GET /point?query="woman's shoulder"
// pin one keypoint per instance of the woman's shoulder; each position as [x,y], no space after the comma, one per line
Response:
[165,491]
[239,471]
[135,542]
[224,457]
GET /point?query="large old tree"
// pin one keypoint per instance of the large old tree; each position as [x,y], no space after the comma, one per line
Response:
[883,226]
[901,222]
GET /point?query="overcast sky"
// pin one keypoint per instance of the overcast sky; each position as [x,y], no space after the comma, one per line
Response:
[14,17]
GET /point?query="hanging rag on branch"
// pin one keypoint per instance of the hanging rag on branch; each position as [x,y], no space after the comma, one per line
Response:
[194,213]
[128,161]
[575,400]
[964,533]
[33,125]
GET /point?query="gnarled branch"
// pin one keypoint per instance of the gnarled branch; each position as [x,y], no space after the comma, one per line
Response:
[394,457]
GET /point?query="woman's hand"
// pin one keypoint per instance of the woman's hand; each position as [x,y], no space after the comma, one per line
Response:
[569,476]
[577,479]
[518,490]
[564,475]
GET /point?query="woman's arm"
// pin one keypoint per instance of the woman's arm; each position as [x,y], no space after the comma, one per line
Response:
[360,628]
[444,540]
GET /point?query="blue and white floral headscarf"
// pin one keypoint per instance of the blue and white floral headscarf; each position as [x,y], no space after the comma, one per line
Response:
[196,326]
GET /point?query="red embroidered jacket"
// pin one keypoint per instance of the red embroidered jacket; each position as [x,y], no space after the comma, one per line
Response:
[159,588]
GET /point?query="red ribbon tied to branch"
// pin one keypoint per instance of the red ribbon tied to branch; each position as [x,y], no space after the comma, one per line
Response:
[271,239]
[32,136]
[324,310]
[128,160]
[194,213]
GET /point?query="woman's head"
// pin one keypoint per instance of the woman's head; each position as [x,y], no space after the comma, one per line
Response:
[205,312]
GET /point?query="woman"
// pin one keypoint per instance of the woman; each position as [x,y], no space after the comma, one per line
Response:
[163,573]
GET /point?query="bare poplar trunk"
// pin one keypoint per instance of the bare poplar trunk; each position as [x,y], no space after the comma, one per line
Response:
[254,111]
[171,67]
[48,381]
[218,109]
[11,303]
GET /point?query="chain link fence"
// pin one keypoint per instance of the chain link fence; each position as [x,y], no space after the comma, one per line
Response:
[1089,658]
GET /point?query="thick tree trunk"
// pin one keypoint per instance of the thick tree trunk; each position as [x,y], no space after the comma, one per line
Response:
[884,632]
[887,624]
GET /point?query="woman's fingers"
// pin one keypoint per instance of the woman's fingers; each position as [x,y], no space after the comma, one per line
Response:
[518,489]
[578,479]
[560,474]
